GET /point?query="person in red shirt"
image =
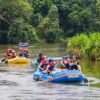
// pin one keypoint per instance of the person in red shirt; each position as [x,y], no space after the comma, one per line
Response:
[50,66]
[43,63]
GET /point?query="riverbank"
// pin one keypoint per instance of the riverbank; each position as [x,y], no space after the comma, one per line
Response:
[85,46]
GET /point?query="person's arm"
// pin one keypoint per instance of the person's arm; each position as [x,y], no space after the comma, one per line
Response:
[39,66]
[79,67]
[70,64]
[47,68]
[62,64]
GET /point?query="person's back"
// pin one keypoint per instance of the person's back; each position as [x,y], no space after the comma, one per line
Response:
[23,45]
[23,48]
[26,53]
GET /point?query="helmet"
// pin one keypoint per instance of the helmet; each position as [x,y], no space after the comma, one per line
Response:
[65,57]
[51,60]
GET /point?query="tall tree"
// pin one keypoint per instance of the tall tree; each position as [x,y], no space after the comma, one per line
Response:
[13,13]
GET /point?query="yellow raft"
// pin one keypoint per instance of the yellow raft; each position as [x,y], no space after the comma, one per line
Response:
[18,60]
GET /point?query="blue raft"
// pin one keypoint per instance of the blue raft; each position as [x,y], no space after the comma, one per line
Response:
[60,77]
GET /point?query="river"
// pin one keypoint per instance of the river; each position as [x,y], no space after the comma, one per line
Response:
[16,82]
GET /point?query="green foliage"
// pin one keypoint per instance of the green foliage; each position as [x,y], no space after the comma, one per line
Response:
[36,19]
[11,9]
[23,32]
[94,46]
[88,45]
[51,36]
[80,41]
[62,18]
[74,17]
[98,8]
[49,25]
[41,6]
[95,26]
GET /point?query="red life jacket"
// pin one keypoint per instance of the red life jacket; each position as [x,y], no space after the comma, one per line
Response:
[44,64]
[52,65]
[9,54]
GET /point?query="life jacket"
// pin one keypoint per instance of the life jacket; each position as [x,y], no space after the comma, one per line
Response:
[74,67]
[44,64]
[9,54]
[25,51]
[52,65]
[39,60]
[66,63]
[13,54]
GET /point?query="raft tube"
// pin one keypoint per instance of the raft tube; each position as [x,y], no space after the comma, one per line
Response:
[60,77]
[18,60]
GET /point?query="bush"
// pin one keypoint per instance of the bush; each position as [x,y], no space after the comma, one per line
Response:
[84,45]
[78,44]
[94,50]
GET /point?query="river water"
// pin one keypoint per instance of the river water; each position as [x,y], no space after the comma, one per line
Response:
[16,81]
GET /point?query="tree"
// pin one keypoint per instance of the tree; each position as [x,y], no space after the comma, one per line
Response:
[11,11]
[98,8]
[42,6]
[86,18]
[49,26]
[22,31]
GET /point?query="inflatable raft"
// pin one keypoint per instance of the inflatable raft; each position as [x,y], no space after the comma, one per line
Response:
[60,76]
[18,60]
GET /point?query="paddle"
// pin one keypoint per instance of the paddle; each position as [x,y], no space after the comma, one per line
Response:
[4,60]
[85,79]
[1,62]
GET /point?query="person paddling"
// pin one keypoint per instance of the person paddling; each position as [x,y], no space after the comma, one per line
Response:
[50,66]
[43,63]
[65,62]
[40,58]
[10,54]
[74,64]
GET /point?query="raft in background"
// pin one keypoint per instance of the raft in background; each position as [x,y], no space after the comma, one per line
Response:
[17,60]
[60,76]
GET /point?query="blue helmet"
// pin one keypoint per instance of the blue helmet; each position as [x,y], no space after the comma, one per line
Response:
[51,60]
[65,57]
